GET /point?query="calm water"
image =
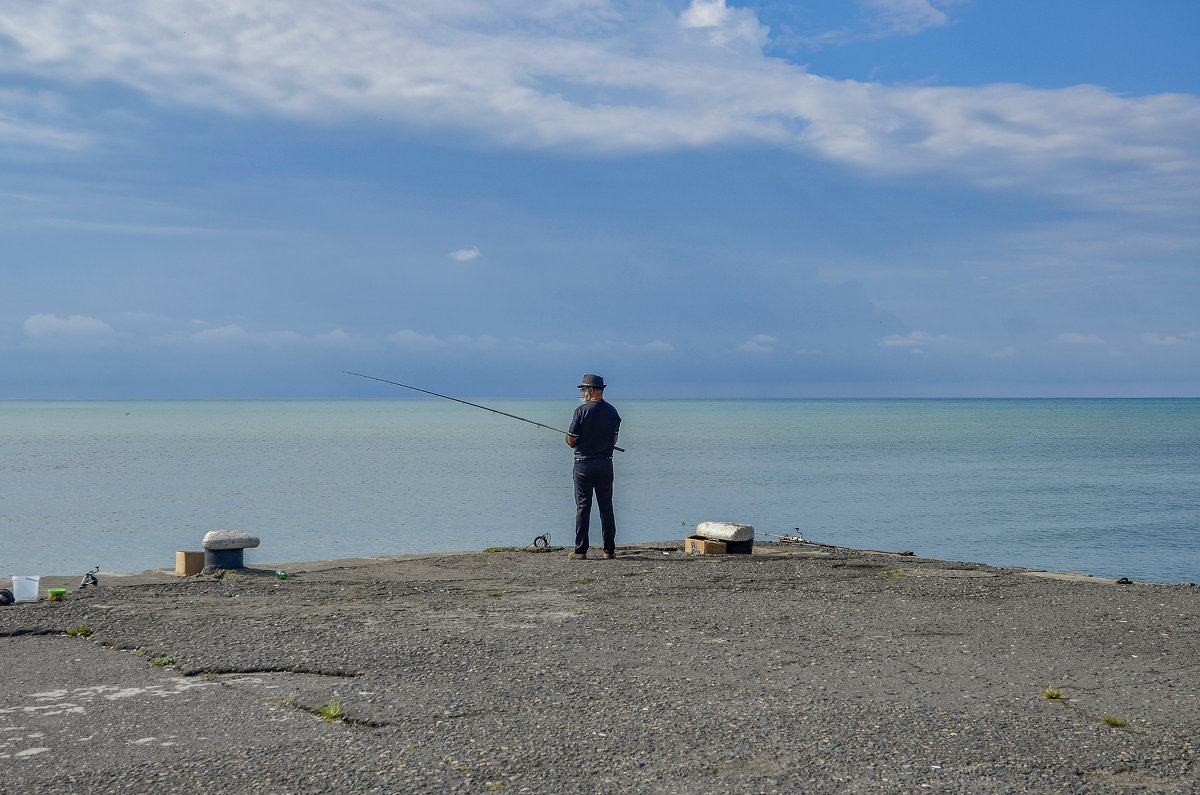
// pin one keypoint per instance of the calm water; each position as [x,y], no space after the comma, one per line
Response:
[1109,487]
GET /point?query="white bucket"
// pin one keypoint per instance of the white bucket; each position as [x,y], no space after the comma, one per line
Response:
[25,589]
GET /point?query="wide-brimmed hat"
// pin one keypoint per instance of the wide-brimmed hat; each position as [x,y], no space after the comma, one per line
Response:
[594,381]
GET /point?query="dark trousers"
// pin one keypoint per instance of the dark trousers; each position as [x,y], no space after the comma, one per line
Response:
[594,475]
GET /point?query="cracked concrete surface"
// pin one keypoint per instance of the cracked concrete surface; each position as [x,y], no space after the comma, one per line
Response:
[794,669]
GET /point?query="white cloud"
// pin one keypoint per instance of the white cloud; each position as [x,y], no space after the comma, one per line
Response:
[600,76]
[724,26]
[1168,340]
[416,341]
[35,120]
[904,17]
[759,343]
[26,133]
[407,338]
[916,340]
[46,327]
[555,346]
[655,346]
[465,254]
[221,333]
[338,339]
[1075,338]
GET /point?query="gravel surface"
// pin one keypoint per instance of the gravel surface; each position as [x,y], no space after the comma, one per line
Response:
[795,669]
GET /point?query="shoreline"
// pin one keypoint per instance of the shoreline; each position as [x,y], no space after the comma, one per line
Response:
[826,670]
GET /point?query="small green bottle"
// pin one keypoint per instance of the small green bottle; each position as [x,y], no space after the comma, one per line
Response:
[281,574]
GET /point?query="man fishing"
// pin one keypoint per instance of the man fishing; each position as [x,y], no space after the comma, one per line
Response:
[593,436]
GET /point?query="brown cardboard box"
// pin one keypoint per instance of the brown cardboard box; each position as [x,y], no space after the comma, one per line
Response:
[189,563]
[695,545]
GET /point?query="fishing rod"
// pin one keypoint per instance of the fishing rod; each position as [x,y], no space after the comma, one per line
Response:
[800,539]
[465,403]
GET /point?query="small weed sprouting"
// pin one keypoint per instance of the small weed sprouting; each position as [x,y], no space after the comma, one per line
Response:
[1052,694]
[1115,722]
[494,595]
[287,701]
[160,661]
[80,632]
[332,710]
[894,574]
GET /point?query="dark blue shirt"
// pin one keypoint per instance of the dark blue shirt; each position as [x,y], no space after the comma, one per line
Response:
[595,426]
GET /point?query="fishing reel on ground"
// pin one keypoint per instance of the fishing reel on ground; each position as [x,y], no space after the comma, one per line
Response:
[90,578]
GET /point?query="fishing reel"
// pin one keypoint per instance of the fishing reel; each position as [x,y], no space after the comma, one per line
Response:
[90,578]
[796,539]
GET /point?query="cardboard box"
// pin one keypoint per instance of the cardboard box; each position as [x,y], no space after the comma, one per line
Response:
[695,545]
[189,563]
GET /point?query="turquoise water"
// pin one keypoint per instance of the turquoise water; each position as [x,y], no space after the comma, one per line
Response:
[1108,487]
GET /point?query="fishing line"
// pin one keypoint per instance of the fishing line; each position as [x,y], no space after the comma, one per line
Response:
[464,402]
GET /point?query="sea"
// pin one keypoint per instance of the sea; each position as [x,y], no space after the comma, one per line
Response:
[1103,487]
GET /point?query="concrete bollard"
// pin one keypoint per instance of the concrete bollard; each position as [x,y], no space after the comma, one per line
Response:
[223,549]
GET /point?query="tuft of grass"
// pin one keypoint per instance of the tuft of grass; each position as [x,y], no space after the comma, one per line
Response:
[494,595]
[332,710]
[1052,694]
[894,574]
[287,701]
[81,631]
[1115,722]
[160,661]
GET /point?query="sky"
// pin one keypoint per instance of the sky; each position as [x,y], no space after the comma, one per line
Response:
[692,198]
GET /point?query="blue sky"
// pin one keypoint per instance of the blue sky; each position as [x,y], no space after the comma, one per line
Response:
[695,198]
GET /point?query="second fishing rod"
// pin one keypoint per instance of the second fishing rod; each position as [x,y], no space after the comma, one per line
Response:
[464,402]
